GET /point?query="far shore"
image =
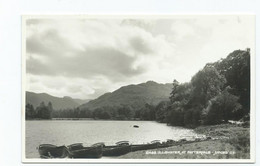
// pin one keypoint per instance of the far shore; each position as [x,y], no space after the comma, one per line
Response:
[53,119]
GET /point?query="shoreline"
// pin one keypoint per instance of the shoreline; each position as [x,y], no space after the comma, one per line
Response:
[231,142]
[82,119]
[227,141]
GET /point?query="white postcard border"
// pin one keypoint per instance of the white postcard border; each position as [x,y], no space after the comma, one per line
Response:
[154,161]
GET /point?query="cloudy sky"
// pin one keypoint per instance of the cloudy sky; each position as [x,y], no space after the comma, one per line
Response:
[87,57]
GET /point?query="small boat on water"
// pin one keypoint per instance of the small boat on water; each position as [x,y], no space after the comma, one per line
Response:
[120,148]
[136,126]
[79,151]
[52,151]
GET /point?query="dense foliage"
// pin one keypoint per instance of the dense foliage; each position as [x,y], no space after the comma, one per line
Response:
[108,112]
[217,93]
[41,112]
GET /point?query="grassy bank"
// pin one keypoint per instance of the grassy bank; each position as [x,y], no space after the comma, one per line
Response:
[228,141]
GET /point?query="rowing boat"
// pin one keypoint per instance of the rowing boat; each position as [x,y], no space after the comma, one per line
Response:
[52,151]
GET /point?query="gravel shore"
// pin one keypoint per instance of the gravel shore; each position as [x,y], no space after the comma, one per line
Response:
[232,143]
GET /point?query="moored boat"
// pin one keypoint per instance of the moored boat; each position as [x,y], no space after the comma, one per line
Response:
[156,142]
[167,143]
[75,146]
[136,147]
[52,151]
[170,141]
[183,141]
[79,151]
[120,148]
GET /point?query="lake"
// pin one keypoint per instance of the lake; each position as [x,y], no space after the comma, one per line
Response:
[88,132]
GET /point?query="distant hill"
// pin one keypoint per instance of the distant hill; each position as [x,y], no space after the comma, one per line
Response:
[135,96]
[57,102]
[81,101]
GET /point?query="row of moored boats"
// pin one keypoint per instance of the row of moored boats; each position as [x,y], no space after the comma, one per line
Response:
[98,150]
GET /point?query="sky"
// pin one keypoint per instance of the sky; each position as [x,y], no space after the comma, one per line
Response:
[85,57]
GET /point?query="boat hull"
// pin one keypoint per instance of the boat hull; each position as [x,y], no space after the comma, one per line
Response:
[87,152]
[116,150]
[143,147]
[52,151]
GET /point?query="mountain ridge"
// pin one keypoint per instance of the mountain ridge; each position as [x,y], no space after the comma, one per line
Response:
[65,102]
[133,95]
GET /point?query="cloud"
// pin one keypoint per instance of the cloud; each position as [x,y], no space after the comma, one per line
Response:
[84,58]
[140,45]
[90,49]
[48,43]
[86,64]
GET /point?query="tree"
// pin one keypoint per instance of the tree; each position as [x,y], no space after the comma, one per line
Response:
[207,84]
[175,114]
[43,111]
[29,111]
[188,118]
[161,111]
[124,112]
[222,108]
[106,115]
[192,117]
[147,112]
[236,69]
[180,97]
[50,109]
[175,85]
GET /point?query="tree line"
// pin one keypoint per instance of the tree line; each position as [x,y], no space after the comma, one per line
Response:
[217,93]
[123,112]
[41,112]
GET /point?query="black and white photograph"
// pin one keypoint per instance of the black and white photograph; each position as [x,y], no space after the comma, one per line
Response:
[138,88]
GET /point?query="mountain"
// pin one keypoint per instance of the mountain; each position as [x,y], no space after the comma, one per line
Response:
[57,102]
[135,96]
[81,101]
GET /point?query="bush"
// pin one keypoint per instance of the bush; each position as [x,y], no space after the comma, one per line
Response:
[222,108]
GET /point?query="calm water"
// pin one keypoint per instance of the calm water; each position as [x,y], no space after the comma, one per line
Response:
[88,132]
